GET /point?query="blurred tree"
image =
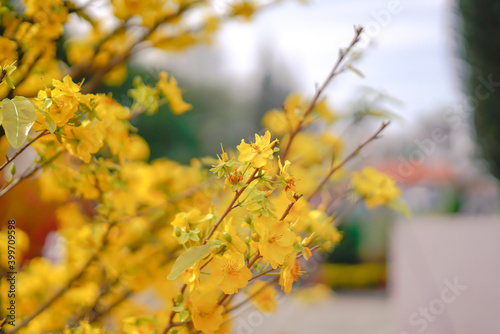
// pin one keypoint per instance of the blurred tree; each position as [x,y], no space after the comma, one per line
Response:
[481,36]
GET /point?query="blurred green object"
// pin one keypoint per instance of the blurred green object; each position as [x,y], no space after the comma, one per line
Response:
[347,250]
[481,39]
[354,276]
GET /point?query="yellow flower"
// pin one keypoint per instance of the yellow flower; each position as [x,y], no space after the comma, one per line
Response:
[244,8]
[8,51]
[275,120]
[288,180]
[375,187]
[230,272]
[293,110]
[206,313]
[323,226]
[191,277]
[80,52]
[276,240]
[290,273]
[264,296]
[86,139]
[257,153]
[173,94]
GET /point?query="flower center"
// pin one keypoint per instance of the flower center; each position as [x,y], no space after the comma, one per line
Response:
[230,268]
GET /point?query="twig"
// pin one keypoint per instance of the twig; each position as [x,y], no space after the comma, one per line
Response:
[27,174]
[319,91]
[230,206]
[270,282]
[21,150]
[346,159]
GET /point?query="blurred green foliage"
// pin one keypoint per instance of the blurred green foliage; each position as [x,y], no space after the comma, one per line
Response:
[481,36]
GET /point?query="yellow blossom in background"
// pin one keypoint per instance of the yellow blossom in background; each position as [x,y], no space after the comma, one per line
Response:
[293,110]
[173,94]
[264,296]
[8,51]
[276,121]
[116,75]
[313,295]
[243,8]
[80,52]
[230,272]
[375,188]
[257,153]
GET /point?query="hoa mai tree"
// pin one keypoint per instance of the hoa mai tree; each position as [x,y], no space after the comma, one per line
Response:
[188,237]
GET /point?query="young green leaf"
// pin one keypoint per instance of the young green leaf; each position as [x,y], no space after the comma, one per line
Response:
[188,258]
[17,117]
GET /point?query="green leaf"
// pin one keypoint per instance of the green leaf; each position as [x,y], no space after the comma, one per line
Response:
[183,238]
[178,308]
[47,102]
[193,236]
[209,216]
[355,70]
[17,117]
[400,206]
[183,315]
[12,169]
[9,82]
[51,124]
[188,258]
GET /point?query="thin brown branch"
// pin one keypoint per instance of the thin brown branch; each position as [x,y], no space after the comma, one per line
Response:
[21,150]
[230,206]
[28,174]
[334,72]
[262,274]
[243,302]
[346,159]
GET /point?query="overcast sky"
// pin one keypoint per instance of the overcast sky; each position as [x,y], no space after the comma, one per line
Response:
[412,55]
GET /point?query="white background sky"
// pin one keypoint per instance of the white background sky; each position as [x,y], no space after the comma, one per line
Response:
[412,56]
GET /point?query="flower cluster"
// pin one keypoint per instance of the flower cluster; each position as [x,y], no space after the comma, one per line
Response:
[184,238]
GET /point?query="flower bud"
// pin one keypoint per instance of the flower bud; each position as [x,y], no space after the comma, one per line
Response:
[173,331]
[255,237]
[247,240]
[177,231]
[227,237]
[308,252]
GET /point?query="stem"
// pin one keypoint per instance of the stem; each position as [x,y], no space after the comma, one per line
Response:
[9,160]
[334,72]
[271,282]
[262,274]
[27,174]
[230,206]
[346,159]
